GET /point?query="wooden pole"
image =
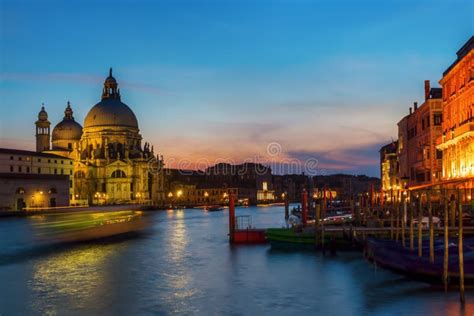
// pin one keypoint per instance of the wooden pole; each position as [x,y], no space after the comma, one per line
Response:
[397,220]
[452,213]
[461,252]
[412,241]
[287,206]
[392,210]
[397,232]
[317,216]
[404,197]
[420,226]
[357,214]
[322,234]
[446,241]
[304,207]
[430,222]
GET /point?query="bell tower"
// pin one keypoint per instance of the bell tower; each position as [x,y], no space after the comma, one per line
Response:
[42,131]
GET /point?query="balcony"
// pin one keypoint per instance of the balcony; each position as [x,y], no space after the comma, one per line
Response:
[461,132]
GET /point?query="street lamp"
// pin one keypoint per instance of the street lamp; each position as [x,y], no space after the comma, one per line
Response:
[170,197]
[97,195]
[206,195]
[178,195]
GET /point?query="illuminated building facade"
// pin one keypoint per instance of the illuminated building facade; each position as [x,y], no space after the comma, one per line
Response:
[111,166]
[31,179]
[457,140]
[389,169]
[419,160]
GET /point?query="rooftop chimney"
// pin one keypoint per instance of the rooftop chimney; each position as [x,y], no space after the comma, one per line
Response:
[410,110]
[427,89]
[415,106]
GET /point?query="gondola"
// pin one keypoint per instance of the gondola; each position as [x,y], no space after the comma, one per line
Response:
[391,254]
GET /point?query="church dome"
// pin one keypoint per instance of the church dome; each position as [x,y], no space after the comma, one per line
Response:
[68,128]
[111,111]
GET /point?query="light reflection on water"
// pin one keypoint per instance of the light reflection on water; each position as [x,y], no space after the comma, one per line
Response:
[183,264]
[75,277]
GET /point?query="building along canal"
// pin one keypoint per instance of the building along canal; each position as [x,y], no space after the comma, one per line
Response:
[183,263]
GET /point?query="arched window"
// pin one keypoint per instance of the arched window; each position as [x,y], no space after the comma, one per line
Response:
[118,174]
[20,190]
[79,175]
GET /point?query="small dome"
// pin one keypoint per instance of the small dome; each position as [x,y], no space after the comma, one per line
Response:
[42,115]
[110,79]
[68,128]
[111,112]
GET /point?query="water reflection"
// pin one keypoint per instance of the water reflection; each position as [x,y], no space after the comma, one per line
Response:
[177,241]
[185,265]
[75,278]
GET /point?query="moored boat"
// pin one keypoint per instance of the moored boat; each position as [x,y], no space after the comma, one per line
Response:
[305,238]
[214,208]
[393,255]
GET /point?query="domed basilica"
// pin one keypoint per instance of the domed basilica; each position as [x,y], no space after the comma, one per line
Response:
[110,163]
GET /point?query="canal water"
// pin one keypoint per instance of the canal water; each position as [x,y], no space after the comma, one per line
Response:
[183,264]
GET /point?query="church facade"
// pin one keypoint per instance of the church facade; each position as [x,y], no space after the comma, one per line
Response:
[111,164]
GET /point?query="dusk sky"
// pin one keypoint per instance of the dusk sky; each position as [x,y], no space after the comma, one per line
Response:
[208,80]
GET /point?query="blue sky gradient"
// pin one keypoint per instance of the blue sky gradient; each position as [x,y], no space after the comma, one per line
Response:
[212,80]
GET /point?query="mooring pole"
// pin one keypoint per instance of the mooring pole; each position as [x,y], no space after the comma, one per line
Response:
[317,216]
[430,222]
[461,252]
[287,206]
[231,217]
[446,241]
[392,210]
[404,196]
[397,220]
[412,238]
[357,210]
[452,212]
[325,203]
[420,226]
[304,207]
